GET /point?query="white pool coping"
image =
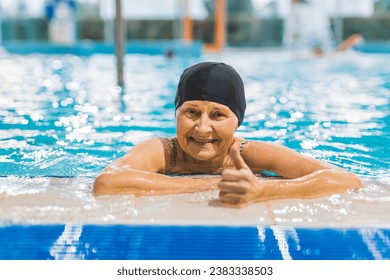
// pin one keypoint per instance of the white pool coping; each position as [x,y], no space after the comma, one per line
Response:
[46,200]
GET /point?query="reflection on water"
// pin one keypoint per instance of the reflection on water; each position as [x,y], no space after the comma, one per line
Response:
[367,243]
[377,242]
[281,235]
[64,115]
[66,246]
[146,242]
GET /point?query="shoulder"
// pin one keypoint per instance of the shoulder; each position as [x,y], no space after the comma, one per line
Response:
[280,159]
[263,155]
[153,154]
[153,145]
[251,145]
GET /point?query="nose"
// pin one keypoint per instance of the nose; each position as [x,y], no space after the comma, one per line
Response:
[203,125]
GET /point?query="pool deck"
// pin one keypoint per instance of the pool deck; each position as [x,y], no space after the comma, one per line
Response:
[48,200]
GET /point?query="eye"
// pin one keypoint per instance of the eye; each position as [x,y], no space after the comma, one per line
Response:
[191,112]
[219,115]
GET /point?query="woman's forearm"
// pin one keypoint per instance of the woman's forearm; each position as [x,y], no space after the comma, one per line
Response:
[141,183]
[320,183]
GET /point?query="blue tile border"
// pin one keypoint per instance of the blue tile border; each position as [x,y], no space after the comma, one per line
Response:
[150,242]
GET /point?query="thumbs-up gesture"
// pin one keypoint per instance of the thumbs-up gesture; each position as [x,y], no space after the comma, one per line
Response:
[238,187]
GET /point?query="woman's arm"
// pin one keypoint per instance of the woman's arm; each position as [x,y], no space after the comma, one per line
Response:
[141,183]
[139,173]
[305,177]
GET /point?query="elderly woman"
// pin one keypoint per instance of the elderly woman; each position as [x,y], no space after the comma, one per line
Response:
[210,105]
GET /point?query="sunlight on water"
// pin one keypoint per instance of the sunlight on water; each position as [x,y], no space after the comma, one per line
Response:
[63,116]
[333,108]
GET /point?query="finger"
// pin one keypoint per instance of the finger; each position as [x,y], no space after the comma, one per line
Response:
[231,187]
[237,159]
[231,175]
[230,198]
[219,203]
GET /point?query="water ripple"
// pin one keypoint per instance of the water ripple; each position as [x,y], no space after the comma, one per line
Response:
[336,109]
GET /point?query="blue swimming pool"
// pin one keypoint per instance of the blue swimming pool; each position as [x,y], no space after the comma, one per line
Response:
[63,119]
[64,116]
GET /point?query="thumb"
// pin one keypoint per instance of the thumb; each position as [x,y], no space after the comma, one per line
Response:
[237,159]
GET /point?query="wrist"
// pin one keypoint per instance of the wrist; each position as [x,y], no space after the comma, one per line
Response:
[267,190]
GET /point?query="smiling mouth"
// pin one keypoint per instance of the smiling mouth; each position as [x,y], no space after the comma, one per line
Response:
[203,141]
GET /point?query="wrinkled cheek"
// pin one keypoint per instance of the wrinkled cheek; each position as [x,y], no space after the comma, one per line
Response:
[229,140]
[180,133]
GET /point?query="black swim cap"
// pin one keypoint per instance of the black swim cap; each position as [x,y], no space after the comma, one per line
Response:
[212,81]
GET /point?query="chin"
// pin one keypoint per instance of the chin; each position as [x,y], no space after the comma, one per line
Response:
[203,156]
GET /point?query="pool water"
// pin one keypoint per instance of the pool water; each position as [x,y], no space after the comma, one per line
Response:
[63,119]
[64,116]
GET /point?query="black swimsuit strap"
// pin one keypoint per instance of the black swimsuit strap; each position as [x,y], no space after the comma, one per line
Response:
[174,154]
[242,144]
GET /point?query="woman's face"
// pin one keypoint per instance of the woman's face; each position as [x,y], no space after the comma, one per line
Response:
[205,130]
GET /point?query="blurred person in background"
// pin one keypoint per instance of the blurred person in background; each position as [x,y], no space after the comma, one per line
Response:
[308,30]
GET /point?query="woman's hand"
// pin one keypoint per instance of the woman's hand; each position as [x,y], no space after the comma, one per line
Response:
[302,177]
[238,187]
